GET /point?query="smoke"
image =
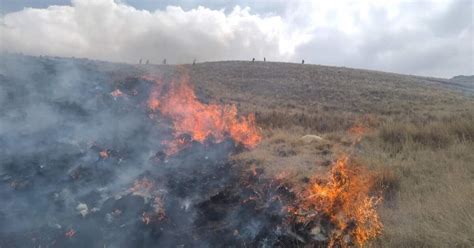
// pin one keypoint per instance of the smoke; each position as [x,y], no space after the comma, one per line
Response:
[56,117]
[82,167]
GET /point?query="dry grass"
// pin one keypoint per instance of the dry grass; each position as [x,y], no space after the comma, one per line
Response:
[420,142]
[434,166]
[426,171]
[285,154]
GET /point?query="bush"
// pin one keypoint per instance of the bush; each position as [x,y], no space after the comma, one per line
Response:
[321,122]
[433,135]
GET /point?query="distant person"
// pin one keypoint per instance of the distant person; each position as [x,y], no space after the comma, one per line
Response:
[140,61]
[302,61]
[253,60]
[194,61]
[147,61]
[164,61]
[264,59]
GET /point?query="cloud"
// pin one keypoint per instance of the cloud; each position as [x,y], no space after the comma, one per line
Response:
[113,31]
[425,38]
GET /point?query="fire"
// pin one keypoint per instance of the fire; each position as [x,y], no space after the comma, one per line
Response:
[356,132]
[146,218]
[361,126]
[199,120]
[153,102]
[70,233]
[143,187]
[176,145]
[116,93]
[344,199]
[146,188]
[104,154]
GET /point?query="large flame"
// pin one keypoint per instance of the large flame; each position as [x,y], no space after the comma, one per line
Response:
[199,120]
[344,198]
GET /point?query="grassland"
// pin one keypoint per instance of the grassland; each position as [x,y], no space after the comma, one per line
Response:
[419,138]
[419,135]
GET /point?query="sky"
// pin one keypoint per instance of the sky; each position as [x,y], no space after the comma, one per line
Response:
[420,37]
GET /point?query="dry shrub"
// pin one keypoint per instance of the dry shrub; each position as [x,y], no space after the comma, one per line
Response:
[462,128]
[426,171]
[435,135]
[321,122]
[387,182]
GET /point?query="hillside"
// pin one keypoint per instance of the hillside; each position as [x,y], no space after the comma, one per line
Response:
[419,134]
[310,88]
[467,81]
[415,133]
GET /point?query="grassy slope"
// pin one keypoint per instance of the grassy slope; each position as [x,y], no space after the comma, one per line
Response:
[421,137]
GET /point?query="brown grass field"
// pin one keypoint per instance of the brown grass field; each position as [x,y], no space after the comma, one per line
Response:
[417,134]
[419,138]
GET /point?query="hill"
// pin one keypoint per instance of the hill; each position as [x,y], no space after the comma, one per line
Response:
[466,81]
[416,133]
[419,132]
[463,79]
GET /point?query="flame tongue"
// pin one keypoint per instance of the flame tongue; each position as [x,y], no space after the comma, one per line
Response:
[344,199]
[201,121]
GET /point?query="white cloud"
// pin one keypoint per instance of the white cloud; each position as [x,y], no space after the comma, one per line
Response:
[430,38]
[109,30]
[416,37]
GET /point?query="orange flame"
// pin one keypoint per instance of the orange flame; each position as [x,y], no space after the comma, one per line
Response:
[358,130]
[146,188]
[146,218]
[199,120]
[361,126]
[345,198]
[104,154]
[116,93]
[143,187]
[70,233]
[153,102]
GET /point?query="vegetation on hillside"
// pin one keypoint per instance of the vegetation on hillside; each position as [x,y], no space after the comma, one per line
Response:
[419,138]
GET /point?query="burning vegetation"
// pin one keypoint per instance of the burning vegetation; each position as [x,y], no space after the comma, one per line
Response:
[339,208]
[198,120]
[158,174]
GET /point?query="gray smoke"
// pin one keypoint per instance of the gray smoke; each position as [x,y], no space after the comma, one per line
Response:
[57,116]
